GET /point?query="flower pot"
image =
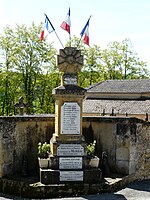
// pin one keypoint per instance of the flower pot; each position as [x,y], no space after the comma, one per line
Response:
[94,162]
[43,162]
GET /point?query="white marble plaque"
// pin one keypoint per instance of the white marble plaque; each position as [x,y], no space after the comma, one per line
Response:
[71,175]
[70,118]
[70,150]
[70,80]
[70,163]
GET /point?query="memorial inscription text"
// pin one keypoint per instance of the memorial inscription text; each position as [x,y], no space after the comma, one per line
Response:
[70,118]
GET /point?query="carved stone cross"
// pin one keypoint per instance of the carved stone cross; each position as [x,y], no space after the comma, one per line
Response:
[70,60]
[21,105]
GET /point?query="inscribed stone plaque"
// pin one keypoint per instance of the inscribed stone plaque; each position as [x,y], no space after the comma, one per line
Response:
[70,150]
[70,118]
[70,163]
[70,81]
[71,175]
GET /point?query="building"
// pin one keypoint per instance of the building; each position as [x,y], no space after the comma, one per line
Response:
[119,98]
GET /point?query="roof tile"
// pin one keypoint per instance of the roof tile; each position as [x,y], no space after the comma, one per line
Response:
[121,86]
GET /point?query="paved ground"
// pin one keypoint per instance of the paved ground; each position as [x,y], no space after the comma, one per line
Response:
[135,191]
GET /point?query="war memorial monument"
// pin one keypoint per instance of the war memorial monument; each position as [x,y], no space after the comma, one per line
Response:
[68,161]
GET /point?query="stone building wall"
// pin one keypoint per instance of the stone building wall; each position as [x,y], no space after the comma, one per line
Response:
[125,140]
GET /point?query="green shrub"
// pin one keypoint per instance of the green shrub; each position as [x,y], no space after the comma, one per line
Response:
[91,149]
[43,150]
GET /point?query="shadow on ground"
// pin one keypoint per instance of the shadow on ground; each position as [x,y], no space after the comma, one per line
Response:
[143,185]
[105,196]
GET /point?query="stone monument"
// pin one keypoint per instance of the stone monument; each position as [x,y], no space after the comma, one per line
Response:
[68,161]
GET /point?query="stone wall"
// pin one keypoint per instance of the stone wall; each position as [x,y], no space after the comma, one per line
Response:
[143,150]
[125,140]
[19,138]
[104,133]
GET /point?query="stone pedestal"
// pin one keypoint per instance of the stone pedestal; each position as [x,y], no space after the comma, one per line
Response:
[68,160]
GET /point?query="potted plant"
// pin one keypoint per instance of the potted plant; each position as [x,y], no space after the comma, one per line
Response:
[94,160]
[43,154]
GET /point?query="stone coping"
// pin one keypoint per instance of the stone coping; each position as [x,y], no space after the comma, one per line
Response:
[40,117]
[51,117]
[112,119]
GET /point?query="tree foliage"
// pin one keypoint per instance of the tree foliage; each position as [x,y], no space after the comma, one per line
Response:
[28,67]
[24,56]
[121,62]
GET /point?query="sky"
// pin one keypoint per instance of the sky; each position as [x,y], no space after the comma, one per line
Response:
[112,20]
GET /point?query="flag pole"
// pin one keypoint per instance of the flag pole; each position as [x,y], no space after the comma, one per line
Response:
[84,31]
[54,30]
[79,42]
[70,39]
[70,28]
[59,39]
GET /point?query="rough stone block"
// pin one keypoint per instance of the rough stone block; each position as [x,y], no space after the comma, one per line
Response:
[122,154]
[7,169]
[49,176]
[122,166]
[132,152]
[1,152]
[92,175]
[1,172]
[53,162]
[132,167]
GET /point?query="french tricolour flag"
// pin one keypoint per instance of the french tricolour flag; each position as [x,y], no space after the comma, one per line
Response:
[48,27]
[67,23]
[85,32]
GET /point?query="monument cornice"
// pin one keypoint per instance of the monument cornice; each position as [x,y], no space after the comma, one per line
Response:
[69,89]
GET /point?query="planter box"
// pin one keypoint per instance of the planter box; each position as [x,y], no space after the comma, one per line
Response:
[94,162]
[43,162]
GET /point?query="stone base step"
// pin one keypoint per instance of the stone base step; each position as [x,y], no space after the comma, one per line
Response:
[49,176]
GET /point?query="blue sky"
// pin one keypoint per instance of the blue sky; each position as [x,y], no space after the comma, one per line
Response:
[112,20]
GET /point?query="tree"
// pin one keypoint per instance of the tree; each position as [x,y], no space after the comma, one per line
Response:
[28,67]
[121,62]
[117,61]
[26,56]
[7,84]
[31,57]
[92,71]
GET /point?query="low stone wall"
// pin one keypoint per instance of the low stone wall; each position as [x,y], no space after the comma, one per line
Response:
[125,140]
[143,150]
[19,138]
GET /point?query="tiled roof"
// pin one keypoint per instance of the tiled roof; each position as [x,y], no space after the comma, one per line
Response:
[121,86]
[119,106]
